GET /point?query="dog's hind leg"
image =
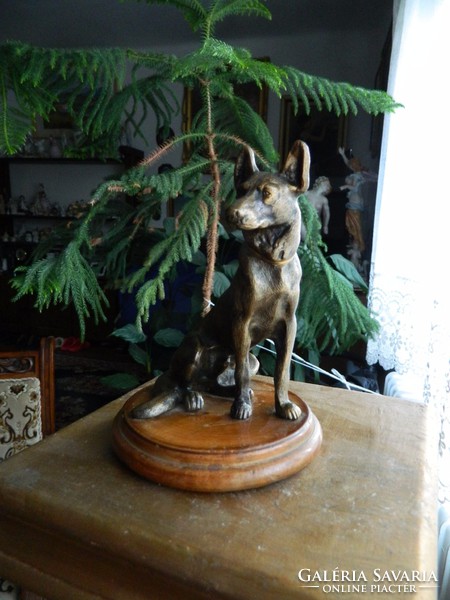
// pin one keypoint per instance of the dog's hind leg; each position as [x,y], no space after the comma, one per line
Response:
[158,405]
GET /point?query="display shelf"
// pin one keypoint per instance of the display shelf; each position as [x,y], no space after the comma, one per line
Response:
[66,181]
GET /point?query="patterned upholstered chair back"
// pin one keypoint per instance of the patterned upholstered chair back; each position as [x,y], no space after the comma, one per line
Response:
[27,397]
[27,414]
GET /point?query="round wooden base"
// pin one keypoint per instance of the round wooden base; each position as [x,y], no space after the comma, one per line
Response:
[207,451]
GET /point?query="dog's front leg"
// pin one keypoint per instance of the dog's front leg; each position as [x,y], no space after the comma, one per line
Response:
[242,405]
[284,344]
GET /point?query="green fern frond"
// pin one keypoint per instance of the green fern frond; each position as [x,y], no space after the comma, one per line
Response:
[340,97]
[198,65]
[164,185]
[144,93]
[14,124]
[66,279]
[38,78]
[183,243]
[221,63]
[17,121]
[116,260]
[330,315]
[236,120]
[221,9]
[158,64]
[198,17]
[86,65]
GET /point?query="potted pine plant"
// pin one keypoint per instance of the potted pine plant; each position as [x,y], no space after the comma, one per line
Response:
[134,257]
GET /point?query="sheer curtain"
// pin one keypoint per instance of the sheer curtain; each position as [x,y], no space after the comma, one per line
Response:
[410,271]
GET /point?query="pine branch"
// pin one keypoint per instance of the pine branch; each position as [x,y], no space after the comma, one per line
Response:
[16,121]
[14,125]
[339,97]
[237,120]
[91,84]
[67,279]
[221,9]
[330,316]
[181,245]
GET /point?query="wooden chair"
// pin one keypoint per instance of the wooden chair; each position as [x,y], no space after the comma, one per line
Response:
[27,397]
[27,411]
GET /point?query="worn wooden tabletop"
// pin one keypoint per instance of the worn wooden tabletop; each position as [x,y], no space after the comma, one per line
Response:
[75,523]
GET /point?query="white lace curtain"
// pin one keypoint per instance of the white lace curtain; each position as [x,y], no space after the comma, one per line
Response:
[410,271]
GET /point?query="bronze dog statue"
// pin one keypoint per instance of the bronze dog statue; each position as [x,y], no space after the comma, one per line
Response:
[260,302]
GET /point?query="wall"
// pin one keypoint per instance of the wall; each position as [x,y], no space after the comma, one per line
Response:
[352,56]
[64,184]
[349,51]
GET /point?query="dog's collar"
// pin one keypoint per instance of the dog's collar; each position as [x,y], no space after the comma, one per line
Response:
[270,261]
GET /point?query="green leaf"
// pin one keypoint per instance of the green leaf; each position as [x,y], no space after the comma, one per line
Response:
[221,283]
[348,269]
[198,258]
[139,355]
[230,268]
[238,235]
[130,333]
[169,337]
[222,231]
[121,381]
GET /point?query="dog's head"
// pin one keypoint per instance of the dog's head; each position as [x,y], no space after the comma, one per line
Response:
[266,199]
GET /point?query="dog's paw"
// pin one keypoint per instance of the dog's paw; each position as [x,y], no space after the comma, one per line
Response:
[289,411]
[241,410]
[193,401]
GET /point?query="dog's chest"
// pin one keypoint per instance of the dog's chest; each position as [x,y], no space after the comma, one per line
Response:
[275,294]
[273,283]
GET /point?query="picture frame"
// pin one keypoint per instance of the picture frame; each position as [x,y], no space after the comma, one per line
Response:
[59,123]
[323,131]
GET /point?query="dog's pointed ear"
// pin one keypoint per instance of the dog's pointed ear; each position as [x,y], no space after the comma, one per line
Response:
[296,167]
[244,168]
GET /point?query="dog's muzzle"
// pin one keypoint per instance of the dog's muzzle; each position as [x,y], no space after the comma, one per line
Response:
[246,218]
[236,217]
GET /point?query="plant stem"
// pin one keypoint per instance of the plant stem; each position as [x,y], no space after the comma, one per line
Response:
[212,235]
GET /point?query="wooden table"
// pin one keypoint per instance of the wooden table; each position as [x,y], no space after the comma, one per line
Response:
[76,524]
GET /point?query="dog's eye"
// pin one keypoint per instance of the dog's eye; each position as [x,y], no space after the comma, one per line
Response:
[266,194]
